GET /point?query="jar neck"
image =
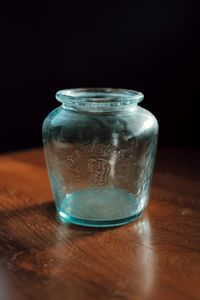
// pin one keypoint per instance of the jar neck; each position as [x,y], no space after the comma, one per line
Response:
[99,100]
[96,110]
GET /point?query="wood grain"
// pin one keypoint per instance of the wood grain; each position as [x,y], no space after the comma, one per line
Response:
[157,257]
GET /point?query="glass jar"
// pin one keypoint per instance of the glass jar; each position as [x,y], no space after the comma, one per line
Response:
[100,149]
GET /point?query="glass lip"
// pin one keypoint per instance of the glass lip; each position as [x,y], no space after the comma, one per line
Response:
[98,97]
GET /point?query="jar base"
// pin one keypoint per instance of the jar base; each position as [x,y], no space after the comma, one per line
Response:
[100,207]
[64,218]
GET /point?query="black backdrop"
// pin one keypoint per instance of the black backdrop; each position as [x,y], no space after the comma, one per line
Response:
[150,46]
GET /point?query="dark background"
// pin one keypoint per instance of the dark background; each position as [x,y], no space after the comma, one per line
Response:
[149,46]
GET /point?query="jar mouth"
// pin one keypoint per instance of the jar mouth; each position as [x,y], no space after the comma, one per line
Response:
[99,99]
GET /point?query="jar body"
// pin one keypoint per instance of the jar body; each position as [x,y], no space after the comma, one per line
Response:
[100,164]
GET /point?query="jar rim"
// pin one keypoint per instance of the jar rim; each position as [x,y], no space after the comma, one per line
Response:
[99,98]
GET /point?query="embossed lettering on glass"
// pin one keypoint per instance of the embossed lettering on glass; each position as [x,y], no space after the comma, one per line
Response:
[100,148]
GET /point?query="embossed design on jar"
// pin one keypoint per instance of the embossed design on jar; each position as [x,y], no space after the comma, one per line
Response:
[93,164]
[99,169]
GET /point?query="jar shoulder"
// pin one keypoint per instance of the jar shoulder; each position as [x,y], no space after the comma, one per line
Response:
[147,116]
[54,114]
[125,123]
[59,116]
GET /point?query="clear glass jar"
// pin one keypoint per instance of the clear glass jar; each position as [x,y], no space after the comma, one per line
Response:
[100,149]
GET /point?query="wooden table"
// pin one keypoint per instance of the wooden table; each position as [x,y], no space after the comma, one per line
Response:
[157,257]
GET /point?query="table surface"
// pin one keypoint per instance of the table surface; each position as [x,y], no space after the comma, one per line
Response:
[156,257]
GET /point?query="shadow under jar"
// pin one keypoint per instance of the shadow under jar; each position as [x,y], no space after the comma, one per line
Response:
[100,149]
